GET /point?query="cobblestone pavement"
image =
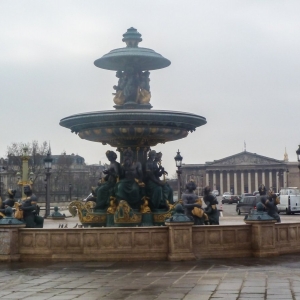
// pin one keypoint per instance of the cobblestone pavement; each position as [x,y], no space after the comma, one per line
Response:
[243,278]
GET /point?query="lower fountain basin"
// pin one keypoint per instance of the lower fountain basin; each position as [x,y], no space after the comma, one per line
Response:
[133,127]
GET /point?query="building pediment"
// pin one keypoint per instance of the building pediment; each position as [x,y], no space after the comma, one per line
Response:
[245,158]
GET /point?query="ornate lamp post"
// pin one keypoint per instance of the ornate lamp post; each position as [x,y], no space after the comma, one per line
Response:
[298,157]
[48,165]
[178,160]
[70,191]
[2,168]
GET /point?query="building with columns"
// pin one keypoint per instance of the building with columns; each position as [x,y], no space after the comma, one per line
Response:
[243,172]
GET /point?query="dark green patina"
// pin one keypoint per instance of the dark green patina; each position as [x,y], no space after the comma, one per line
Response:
[9,219]
[133,124]
[137,126]
[132,55]
[258,214]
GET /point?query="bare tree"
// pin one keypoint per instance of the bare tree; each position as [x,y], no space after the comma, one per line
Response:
[62,166]
[36,153]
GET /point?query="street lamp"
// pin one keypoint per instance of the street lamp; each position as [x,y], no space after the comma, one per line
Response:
[298,156]
[178,160]
[70,191]
[2,168]
[48,165]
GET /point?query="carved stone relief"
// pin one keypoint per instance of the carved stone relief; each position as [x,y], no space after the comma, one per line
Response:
[245,159]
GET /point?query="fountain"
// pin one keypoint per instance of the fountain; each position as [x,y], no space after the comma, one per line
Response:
[132,194]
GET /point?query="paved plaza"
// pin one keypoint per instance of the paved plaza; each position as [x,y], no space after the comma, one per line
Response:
[243,278]
[240,278]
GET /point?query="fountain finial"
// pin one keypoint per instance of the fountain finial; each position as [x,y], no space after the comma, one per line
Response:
[132,37]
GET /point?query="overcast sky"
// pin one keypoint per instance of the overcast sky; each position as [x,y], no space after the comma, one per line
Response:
[236,63]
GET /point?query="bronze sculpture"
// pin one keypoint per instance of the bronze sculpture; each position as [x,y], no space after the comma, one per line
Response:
[153,184]
[29,208]
[56,214]
[271,206]
[128,188]
[166,189]
[105,190]
[193,205]
[119,98]
[211,206]
[10,201]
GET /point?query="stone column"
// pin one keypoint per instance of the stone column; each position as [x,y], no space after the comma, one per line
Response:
[277,182]
[263,238]
[235,183]
[221,183]
[242,182]
[207,178]
[249,182]
[180,241]
[285,178]
[214,181]
[256,181]
[263,176]
[270,179]
[228,181]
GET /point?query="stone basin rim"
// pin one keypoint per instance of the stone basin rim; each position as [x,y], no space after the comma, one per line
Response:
[85,120]
[116,59]
[134,112]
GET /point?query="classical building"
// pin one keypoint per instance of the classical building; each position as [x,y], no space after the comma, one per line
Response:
[70,177]
[243,172]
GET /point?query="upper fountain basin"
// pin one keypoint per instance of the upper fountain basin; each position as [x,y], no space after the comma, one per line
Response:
[143,58]
[137,127]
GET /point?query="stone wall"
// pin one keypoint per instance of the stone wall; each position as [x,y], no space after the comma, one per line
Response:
[222,241]
[287,238]
[94,244]
[9,243]
[176,241]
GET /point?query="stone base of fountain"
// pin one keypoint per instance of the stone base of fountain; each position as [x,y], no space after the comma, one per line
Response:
[123,216]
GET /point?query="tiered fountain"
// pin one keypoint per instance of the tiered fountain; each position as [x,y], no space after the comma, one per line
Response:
[131,125]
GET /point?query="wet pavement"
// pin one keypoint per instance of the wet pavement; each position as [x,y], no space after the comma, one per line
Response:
[243,278]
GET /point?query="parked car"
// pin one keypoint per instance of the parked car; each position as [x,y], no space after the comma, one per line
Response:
[216,192]
[246,204]
[289,200]
[244,195]
[226,196]
[229,198]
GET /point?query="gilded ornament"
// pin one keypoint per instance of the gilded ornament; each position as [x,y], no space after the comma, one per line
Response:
[119,98]
[113,206]
[144,96]
[125,214]
[145,209]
